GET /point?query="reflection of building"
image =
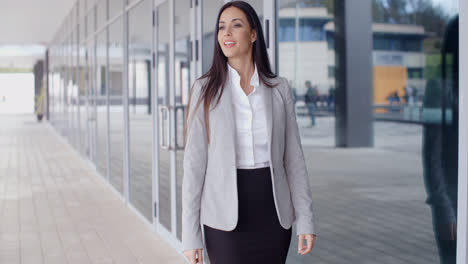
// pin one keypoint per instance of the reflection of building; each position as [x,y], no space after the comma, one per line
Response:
[308,57]
[398,56]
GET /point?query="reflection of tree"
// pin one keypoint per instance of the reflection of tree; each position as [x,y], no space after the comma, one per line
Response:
[420,12]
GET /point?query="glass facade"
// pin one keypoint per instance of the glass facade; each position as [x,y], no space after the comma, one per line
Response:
[128,65]
[163,103]
[180,94]
[115,49]
[100,97]
[140,112]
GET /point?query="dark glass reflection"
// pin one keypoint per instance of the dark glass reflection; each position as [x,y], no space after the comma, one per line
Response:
[440,145]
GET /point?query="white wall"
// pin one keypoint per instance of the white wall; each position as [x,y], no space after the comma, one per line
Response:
[16,93]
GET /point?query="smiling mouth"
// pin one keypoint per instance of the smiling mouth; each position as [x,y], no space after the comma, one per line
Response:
[230,45]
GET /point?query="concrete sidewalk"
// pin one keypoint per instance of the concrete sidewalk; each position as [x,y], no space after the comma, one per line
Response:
[55,209]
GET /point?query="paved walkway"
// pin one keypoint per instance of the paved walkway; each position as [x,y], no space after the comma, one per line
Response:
[369,203]
[55,209]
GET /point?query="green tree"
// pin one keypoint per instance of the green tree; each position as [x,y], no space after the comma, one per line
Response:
[419,12]
[432,17]
[396,11]
[378,12]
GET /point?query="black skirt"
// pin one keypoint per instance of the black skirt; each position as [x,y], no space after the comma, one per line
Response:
[258,236]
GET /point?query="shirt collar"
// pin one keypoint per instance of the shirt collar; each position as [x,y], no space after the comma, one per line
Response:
[234,76]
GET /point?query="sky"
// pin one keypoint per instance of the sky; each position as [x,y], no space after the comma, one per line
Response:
[21,50]
[451,6]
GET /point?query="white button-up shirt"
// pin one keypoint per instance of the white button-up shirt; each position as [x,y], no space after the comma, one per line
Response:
[250,119]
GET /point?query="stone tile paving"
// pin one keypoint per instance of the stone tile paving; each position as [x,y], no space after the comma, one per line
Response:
[55,209]
[369,203]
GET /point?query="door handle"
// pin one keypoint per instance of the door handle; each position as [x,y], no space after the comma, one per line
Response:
[180,108]
[164,127]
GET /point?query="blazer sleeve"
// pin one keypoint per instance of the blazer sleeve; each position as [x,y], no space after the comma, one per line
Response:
[296,170]
[194,163]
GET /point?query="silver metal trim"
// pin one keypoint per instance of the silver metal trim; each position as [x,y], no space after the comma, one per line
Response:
[462,223]
[173,154]
[126,161]
[108,97]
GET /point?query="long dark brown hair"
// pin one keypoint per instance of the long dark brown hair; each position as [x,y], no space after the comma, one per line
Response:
[217,74]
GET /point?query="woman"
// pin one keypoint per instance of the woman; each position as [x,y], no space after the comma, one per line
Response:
[245,178]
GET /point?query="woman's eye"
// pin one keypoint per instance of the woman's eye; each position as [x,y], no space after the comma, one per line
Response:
[237,25]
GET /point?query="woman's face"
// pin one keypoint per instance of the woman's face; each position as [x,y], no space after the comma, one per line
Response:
[235,37]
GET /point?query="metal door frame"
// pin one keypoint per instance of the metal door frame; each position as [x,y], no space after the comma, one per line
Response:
[169,235]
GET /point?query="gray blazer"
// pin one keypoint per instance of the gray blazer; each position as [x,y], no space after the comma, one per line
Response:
[209,186]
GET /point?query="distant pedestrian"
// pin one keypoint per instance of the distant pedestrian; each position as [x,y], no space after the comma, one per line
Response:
[331,99]
[310,100]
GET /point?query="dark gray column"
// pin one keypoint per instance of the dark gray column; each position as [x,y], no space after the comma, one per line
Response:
[353,51]
[46,69]
[38,76]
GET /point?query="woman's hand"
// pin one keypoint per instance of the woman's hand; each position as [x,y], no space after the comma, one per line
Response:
[303,249]
[194,256]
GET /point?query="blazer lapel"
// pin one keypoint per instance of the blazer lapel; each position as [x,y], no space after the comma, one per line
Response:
[268,99]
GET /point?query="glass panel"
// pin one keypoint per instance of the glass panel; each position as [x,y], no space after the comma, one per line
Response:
[101,102]
[287,29]
[83,6]
[116,125]
[81,27]
[60,84]
[90,3]
[115,7]
[210,13]
[128,2]
[407,183]
[74,92]
[90,21]
[69,91]
[66,117]
[101,13]
[141,123]
[83,98]
[182,86]
[163,100]
[92,111]
[61,91]
[65,92]
[65,96]
[306,54]
[412,91]
[311,30]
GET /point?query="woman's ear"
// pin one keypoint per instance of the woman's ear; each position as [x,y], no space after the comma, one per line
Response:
[253,35]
